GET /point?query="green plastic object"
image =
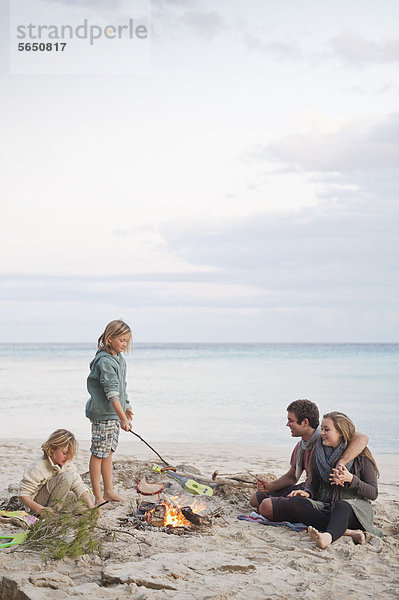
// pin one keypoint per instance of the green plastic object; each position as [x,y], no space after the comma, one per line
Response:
[190,485]
[12,540]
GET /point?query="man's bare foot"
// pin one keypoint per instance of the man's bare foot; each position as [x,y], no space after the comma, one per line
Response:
[98,500]
[323,540]
[112,496]
[357,536]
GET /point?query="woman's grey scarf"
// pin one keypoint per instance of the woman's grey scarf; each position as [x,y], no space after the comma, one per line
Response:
[326,458]
[301,449]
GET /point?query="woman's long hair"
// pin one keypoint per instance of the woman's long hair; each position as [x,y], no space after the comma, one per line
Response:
[346,429]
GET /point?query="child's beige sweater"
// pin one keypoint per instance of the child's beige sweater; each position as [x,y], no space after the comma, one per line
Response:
[38,472]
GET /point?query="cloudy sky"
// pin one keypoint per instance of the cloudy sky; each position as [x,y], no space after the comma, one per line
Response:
[245,189]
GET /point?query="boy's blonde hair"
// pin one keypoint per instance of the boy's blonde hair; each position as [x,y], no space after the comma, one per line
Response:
[58,439]
[114,329]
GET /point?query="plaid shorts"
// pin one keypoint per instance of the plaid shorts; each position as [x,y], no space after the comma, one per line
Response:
[104,437]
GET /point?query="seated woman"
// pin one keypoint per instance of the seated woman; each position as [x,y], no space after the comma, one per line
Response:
[48,479]
[335,502]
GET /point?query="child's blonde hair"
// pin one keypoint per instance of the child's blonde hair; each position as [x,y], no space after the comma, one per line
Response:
[114,329]
[58,439]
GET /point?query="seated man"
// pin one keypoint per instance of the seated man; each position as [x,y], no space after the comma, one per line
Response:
[303,421]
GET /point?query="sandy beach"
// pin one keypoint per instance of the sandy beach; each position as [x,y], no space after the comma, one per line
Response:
[230,558]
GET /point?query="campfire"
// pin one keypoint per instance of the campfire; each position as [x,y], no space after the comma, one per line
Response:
[172,515]
[165,514]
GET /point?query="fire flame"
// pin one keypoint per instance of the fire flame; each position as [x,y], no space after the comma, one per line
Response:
[194,503]
[174,516]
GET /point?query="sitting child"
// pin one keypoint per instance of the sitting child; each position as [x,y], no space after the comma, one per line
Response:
[48,479]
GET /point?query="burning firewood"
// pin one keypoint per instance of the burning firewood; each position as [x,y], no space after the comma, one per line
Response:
[157,516]
[191,516]
[170,515]
[166,514]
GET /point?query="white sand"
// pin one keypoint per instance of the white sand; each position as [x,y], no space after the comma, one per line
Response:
[235,559]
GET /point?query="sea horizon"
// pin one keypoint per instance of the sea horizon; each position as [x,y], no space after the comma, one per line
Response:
[213,391]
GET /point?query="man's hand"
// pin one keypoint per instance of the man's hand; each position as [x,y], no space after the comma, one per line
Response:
[299,493]
[262,485]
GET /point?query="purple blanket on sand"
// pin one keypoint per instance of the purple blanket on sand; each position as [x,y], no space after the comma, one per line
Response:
[255,518]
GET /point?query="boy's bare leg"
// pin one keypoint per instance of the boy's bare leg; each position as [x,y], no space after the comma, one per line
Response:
[323,540]
[106,472]
[357,535]
[95,468]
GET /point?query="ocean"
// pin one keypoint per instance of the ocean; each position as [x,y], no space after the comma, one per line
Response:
[207,393]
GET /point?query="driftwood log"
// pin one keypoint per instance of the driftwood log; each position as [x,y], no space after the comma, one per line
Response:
[158,515]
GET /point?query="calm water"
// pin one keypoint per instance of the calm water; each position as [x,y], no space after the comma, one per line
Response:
[206,392]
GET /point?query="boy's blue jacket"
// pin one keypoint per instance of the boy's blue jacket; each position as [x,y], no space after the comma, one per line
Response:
[107,378]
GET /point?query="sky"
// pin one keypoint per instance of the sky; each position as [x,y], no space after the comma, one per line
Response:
[244,189]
